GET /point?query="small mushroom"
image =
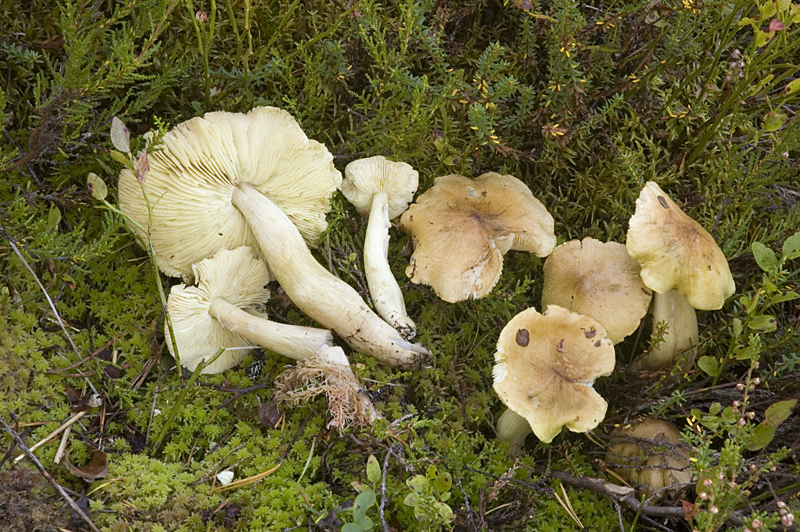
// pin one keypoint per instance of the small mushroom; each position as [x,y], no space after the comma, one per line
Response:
[218,312]
[600,280]
[680,261]
[545,366]
[462,227]
[211,182]
[650,455]
[383,189]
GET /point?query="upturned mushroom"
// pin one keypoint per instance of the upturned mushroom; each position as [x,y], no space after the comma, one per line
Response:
[650,455]
[545,366]
[684,266]
[597,279]
[383,189]
[462,227]
[211,182]
[220,313]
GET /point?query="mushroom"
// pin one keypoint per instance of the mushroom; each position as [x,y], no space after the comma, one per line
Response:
[462,227]
[684,266]
[383,189]
[545,366]
[218,312]
[328,372]
[649,454]
[209,184]
[600,280]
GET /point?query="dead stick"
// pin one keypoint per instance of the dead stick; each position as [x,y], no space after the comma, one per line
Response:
[67,424]
[78,510]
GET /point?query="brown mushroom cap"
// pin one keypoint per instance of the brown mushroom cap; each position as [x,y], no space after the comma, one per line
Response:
[649,454]
[676,252]
[195,169]
[600,280]
[545,366]
[461,228]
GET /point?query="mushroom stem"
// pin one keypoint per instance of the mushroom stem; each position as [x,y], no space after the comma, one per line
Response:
[317,292]
[291,341]
[513,428]
[383,287]
[681,335]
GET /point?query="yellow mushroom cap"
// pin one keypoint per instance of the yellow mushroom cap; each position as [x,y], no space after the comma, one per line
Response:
[461,228]
[545,366]
[197,165]
[676,252]
[598,279]
[649,454]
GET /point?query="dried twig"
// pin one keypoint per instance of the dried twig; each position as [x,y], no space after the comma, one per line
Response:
[77,509]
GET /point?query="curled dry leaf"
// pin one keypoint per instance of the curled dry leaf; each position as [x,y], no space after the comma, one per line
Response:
[96,468]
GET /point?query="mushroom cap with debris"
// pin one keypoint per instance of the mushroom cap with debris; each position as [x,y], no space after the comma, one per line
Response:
[195,168]
[650,454]
[597,279]
[545,366]
[676,252]
[461,228]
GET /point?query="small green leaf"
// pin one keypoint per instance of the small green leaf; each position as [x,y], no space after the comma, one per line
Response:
[412,499]
[788,296]
[121,158]
[745,353]
[96,186]
[709,365]
[778,412]
[351,527]
[359,486]
[120,136]
[764,256]
[762,37]
[443,482]
[373,469]
[767,9]
[198,107]
[764,323]
[791,248]
[737,327]
[792,87]
[365,523]
[763,434]
[774,120]
[53,217]
[362,503]
[714,409]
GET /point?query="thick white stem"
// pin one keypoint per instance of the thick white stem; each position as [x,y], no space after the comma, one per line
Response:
[383,287]
[682,334]
[291,341]
[513,428]
[317,292]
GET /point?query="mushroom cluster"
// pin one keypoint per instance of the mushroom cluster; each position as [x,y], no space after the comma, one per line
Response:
[232,201]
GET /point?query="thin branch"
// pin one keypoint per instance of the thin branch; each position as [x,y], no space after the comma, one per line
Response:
[77,509]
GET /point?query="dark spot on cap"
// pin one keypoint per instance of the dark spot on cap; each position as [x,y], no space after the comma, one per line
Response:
[709,267]
[598,343]
[220,234]
[523,337]
[483,193]
[560,346]
[663,202]
[590,333]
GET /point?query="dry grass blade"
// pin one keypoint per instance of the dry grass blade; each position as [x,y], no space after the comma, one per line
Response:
[247,481]
[568,506]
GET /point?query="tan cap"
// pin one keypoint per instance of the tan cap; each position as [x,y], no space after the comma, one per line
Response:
[676,252]
[650,454]
[366,177]
[600,280]
[237,277]
[193,173]
[545,366]
[461,228]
